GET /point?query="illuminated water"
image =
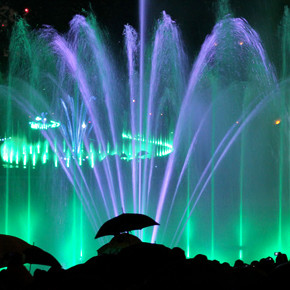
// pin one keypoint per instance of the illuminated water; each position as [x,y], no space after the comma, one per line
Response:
[204,151]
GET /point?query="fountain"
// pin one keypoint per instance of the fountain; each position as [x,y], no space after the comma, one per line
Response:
[203,151]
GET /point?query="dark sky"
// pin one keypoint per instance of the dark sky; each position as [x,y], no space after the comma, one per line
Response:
[196,18]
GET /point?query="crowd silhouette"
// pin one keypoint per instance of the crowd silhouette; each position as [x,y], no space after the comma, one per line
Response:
[150,266]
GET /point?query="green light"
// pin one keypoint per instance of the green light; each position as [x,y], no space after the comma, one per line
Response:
[28,207]
[5,153]
[92,160]
[44,126]
[241,254]
[34,159]
[44,158]
[7,201]
[30,153]
[11,156]
[67,160]
[163,146]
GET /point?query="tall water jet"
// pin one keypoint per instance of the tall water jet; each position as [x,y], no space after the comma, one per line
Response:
[142,16]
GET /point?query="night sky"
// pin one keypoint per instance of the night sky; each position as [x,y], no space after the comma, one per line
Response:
[195,18]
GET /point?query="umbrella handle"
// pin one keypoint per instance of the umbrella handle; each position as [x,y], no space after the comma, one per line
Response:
[33,244]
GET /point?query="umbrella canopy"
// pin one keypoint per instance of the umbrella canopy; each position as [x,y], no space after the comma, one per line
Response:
[124,223]
[10,246]
[118,243]
[35,255]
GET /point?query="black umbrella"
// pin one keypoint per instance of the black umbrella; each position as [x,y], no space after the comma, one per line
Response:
[124,223]
[11,246]
[35,255]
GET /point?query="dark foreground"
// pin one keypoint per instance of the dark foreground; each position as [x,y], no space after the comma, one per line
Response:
[151,266]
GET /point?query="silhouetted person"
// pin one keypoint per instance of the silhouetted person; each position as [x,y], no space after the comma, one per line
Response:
[281,259]
[239,264]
